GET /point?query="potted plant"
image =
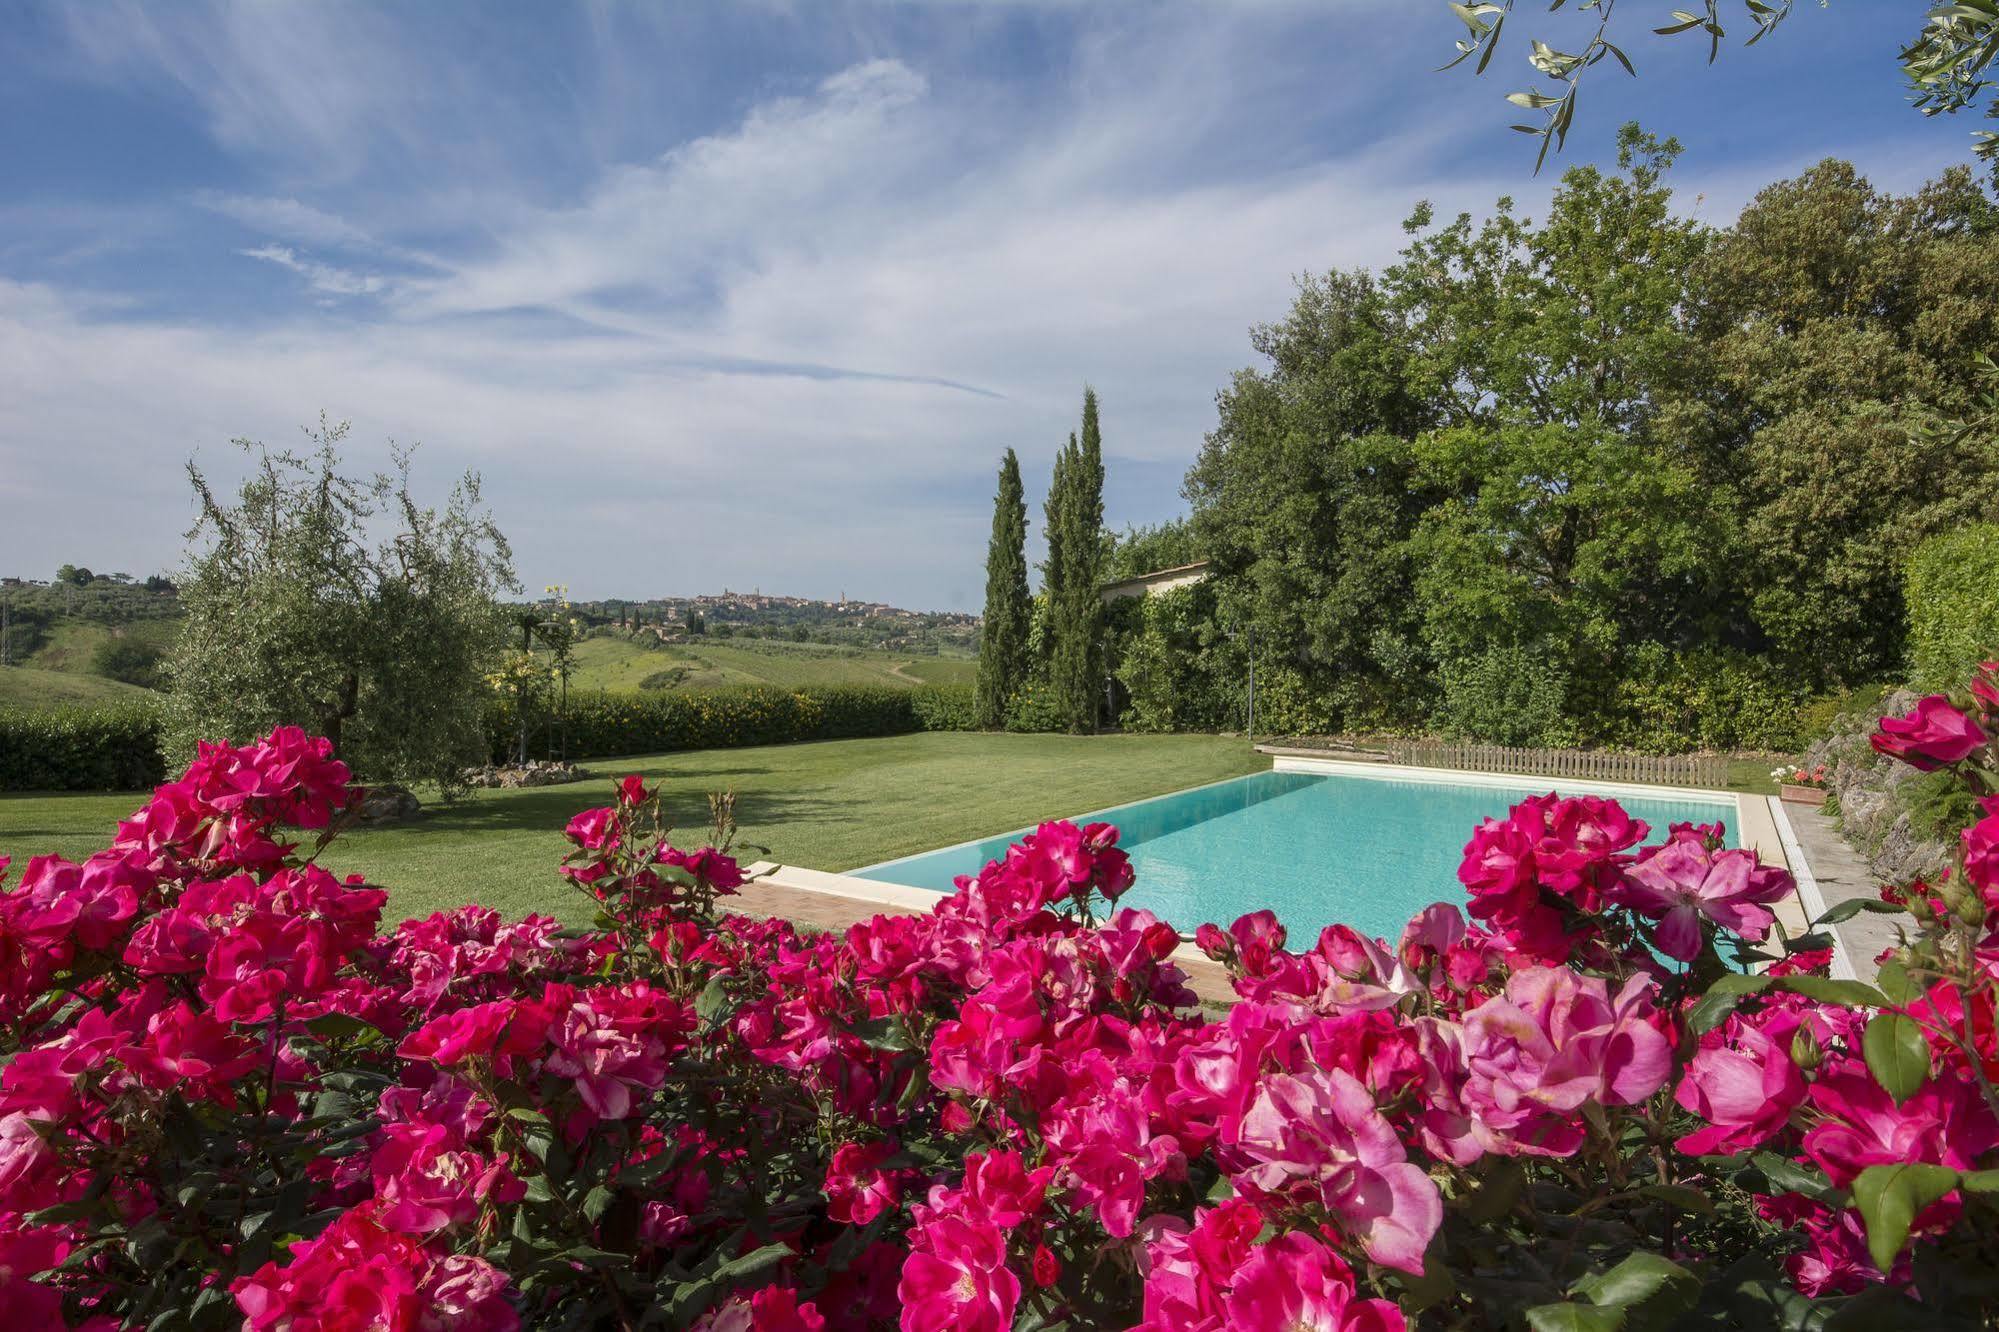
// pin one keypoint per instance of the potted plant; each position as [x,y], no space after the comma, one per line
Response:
[1801,786]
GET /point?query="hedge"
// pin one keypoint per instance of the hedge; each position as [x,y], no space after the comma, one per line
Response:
[603,724]
[1952,590]
[80,749]
[118,748]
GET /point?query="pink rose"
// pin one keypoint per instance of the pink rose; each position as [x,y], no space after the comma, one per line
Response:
[1551,1042]
[1743,1084]
[1945,1123]
[857,1189]
[1682,882]
[1981,852]
[956,1278]
[1932,735]
[593,829]
[614,1041]
[426,1183]
[28,1173]
[1319,1132]
[1296,1282]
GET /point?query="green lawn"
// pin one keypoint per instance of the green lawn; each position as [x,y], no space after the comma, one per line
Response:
[832,805]
[621,665]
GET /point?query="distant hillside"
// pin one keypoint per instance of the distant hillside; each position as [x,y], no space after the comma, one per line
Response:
[625,665]
[83,642]
[756,615]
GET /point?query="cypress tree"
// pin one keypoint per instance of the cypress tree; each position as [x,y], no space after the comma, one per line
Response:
[1055,565]
[1089,558]
[1073,572]
[1003,660]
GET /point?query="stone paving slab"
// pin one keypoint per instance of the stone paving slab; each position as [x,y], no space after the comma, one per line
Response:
[1843,873]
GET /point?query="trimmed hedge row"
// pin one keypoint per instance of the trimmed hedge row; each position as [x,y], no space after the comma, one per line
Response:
[80,749]
[1952,587]
[605,725]
[118,748]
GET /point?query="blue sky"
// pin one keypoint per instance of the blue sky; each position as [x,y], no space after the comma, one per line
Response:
[756,293]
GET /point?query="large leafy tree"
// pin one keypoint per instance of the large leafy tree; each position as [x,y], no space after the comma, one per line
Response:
[1304,494]
[1838,324]
[1563,522]
[342,605]
[1003,646]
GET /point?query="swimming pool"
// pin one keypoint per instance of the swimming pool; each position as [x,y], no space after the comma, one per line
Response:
[1369,851]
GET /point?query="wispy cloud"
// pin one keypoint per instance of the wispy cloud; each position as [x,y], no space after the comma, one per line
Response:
[326,279]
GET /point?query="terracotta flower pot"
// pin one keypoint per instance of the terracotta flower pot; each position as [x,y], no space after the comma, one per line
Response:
[1803,795]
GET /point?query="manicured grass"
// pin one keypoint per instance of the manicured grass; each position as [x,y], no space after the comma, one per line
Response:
[833,805]
[621,665]
[1751,775]
[33,687]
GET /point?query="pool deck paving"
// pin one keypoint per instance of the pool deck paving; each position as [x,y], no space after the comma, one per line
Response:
[1842,874]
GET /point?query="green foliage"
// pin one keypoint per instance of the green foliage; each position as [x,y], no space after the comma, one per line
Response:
[1003,646]
[132,660]
[944,708]
[1169,662]
[1507,696]
[1710,698]
[1680,469]
[1072,575]
[1938,806]
[1035,710]
[1953,595]
[1304,496]
[80,749]
[602,724]
[1141,550]
[1947,63]
[1838,323]
[302,611]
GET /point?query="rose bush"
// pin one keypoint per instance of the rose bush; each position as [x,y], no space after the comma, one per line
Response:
[1617,1096]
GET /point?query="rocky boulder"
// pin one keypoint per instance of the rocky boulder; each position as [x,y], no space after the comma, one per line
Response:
[1868,790]
[535,772]
[386,804]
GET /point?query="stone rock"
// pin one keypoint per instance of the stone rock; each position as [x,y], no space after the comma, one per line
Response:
[535,772]
[387,804]
[1867,787]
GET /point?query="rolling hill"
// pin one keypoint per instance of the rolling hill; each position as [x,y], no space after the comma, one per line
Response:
[622,665]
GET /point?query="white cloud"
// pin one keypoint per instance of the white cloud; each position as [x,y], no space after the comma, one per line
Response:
[746,356]
[327,279]
[288,218]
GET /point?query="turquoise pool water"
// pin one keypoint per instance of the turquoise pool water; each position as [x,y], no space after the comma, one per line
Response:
[1367,851]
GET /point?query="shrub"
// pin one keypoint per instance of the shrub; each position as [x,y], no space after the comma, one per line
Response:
[1952,591]
[127,659]
[945,707]
[1507,696]
[80,749]
[228,1102]
[1671,702]
[1035,709]
[601,724]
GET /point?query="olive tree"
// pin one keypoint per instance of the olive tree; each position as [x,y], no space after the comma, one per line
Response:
[343,605]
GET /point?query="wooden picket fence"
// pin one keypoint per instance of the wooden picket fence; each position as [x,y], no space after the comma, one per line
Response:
[1703,770]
